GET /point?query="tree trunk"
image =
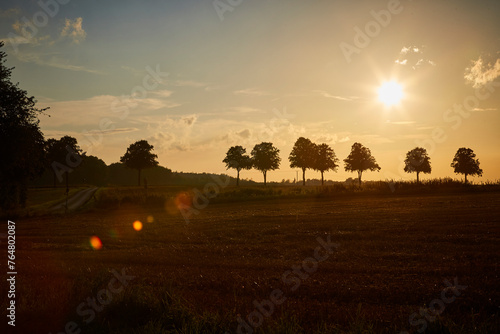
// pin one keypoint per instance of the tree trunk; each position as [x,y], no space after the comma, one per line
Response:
[54,173]
[238,178]
[67,192]
[322,178]
[418,181]
[139,177]
[359,177]
[303,176]
[23,194]
[264,172]
[465,178]
[67,182]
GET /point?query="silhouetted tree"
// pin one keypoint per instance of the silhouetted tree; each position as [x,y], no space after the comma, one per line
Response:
[325,159]
[302,156]
[465,162]
[418,161]
[62,156]
[265,157]
[359,160]
[139,156]
[237,159]
[21,141]
[92,170]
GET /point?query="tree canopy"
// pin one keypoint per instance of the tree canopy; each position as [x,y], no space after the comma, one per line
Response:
[302,156]
[265,157]
[139,156]
[237,159]
[325,159]
[21,141]
[417,161]
[359,160]
[62,156]
[465,162]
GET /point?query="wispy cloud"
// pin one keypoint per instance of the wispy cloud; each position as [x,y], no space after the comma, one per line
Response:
[251,92]
[112,131]
[189,83]
[21,37]
[485,109]
[173,133]
[11,12]
[132,70]
[401,122]
[247,110]
[74,30]
[412,56]
[53,60]
[480,73]
[336,97]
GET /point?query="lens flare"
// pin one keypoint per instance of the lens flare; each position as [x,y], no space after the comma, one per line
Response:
[95,242]
[137,225]
[150,219]
[183,200]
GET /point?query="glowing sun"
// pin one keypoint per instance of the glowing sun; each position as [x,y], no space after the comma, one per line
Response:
[390,93]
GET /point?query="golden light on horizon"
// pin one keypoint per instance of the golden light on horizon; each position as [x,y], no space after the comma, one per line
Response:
[390,93]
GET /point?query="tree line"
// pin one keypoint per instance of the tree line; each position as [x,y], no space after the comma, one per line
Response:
[321,157]
[26,154]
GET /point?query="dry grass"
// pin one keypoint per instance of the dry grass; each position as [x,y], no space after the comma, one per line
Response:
[395,251]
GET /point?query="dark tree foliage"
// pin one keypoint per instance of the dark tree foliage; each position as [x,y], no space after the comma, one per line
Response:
[418,161]
[21,141]
[359,160]
[265,157]
[62,156]
[465,162]
[325,159]
[302,156]
[139,156]
[237,159]
[92,170]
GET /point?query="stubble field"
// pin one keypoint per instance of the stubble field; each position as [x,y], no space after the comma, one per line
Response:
[386,272]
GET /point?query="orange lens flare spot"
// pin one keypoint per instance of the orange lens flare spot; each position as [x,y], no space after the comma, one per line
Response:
[137,225]
[95,242]
[183,200]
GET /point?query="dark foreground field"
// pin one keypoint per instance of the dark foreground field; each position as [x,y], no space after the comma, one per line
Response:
[394,254]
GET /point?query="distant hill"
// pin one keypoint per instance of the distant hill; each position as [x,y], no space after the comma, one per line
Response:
[94,171]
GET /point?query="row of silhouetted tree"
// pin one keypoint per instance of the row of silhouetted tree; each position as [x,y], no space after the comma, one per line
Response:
[26,155]
[321,157]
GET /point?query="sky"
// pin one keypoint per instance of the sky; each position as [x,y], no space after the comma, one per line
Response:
[195,77]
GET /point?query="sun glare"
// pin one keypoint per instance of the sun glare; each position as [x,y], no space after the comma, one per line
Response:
[390,93]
